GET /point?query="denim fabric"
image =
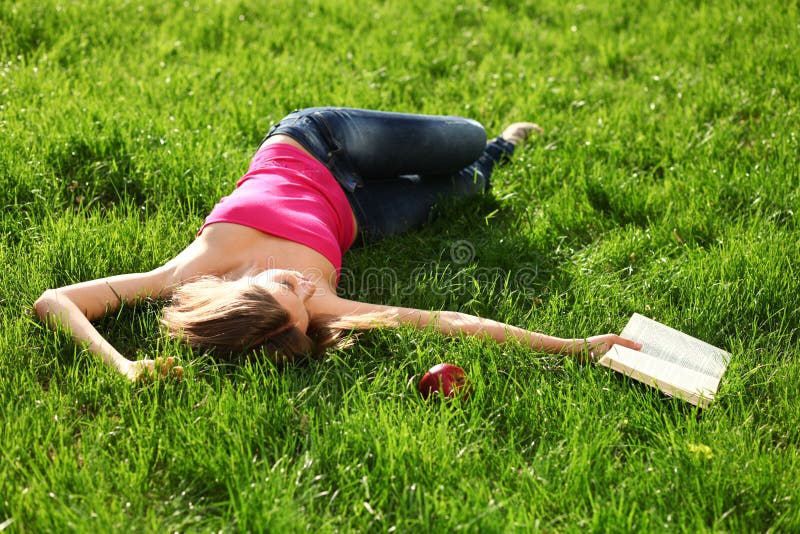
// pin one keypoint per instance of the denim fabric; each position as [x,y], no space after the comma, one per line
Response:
[394,167]
[391,207]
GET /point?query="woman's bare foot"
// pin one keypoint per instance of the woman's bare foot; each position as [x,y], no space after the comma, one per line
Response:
[518,132]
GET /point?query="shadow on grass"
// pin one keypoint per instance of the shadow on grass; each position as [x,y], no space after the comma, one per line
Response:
[96,173]
[468,249]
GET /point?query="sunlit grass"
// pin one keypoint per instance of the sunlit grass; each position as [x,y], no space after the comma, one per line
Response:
[666,184]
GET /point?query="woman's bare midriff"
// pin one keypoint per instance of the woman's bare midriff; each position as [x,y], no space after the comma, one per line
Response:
[286,140]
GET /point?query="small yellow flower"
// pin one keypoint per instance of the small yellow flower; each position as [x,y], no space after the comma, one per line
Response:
[699,449]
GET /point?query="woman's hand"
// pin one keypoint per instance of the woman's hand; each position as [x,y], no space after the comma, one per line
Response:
[149,369]
[596,346]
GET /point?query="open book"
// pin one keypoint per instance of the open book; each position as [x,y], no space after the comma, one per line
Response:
[674,362]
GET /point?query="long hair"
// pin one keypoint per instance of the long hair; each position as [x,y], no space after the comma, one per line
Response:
[234,318]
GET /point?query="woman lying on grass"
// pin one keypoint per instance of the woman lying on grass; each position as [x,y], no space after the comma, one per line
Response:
[263,270]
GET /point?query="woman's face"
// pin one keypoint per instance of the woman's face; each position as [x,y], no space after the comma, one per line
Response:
[291,289]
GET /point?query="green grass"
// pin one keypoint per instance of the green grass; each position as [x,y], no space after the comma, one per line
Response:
[667,184]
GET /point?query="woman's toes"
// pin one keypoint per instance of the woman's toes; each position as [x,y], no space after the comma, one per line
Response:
[519,131]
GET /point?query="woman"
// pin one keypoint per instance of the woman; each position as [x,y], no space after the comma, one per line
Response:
[263,270]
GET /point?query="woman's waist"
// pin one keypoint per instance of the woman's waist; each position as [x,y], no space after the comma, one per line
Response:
[286,140]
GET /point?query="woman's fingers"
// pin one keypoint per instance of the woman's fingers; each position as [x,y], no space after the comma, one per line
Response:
[151,369]
[167,367]
[625,342]
[596,346]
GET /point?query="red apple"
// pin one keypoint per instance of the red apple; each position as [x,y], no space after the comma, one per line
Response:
[444,379]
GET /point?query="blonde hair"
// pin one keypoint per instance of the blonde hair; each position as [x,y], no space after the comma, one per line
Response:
[234,318]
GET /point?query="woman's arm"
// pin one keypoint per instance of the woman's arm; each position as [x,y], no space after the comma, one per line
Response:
[456,323]
[74,307]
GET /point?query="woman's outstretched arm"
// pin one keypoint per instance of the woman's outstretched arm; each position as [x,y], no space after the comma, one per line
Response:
[74,307]
[456,323]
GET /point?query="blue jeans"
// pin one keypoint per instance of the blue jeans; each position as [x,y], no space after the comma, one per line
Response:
[395,167]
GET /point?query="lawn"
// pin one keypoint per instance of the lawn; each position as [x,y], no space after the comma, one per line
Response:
[666,183]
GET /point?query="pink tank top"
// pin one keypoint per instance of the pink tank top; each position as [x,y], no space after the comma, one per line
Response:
[289,194]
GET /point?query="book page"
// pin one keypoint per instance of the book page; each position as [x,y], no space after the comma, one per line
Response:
[670,345]
[687,384]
